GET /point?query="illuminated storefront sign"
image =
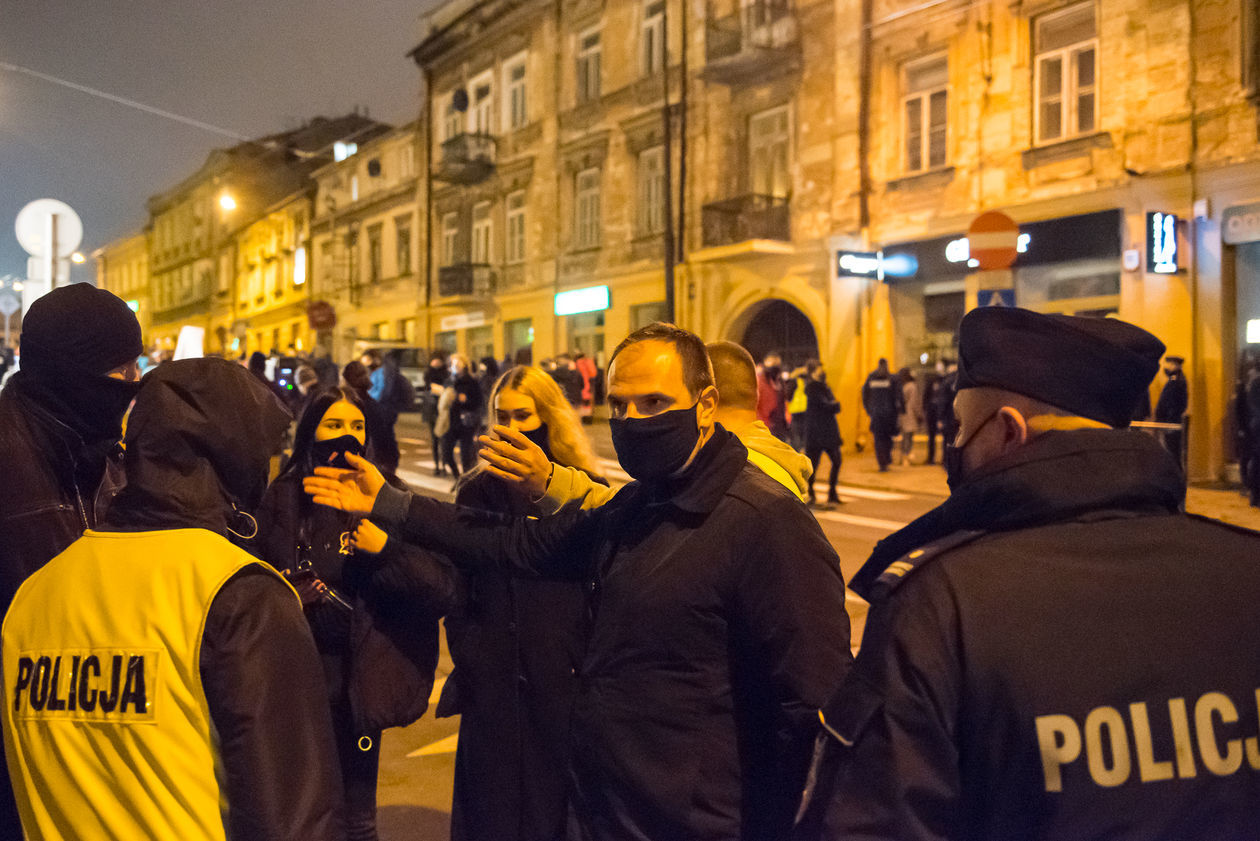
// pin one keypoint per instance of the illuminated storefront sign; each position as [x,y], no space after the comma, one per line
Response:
[575,301]
[1162,253]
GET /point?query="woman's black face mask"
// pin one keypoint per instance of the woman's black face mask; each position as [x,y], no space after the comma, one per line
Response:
[332,451]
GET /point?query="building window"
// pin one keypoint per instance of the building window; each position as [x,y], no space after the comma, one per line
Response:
[374,253]
[586,202]
[515,114]
[925,111]
[1066,46]
[652,190]
[450,239]
[354,188]
[407,161]
[516,227]
[482,232]
[653,41]
[641,315]
[402,239]
[588,66]
[452,119]
[481,104]
[768,143]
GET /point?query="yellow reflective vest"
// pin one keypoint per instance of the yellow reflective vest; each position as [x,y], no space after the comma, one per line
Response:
[106,725]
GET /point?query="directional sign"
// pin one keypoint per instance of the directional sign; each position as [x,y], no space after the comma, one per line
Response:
[993,240]
[9,303]
[995,298]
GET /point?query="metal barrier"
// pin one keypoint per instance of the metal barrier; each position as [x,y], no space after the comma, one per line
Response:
[1161,431]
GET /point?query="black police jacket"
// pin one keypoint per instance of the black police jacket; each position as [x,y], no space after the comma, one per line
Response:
[1057,652]
[717,628]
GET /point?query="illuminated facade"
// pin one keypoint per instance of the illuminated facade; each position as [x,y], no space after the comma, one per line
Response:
[122,267]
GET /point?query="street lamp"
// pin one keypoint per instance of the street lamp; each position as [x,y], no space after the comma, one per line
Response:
[77,257]
[226,202]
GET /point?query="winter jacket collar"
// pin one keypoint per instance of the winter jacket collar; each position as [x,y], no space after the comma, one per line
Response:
[1058,477]
[702,486]
[768,452]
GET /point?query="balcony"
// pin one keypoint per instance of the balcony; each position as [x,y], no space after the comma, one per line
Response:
[744,218]
[466,159]
[758,43]
[469,280]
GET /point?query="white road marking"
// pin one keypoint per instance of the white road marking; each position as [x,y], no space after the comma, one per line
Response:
[864,522]
[438,748]
[415,442]
[865,493]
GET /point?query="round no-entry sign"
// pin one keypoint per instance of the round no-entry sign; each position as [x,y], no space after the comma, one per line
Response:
[992,240]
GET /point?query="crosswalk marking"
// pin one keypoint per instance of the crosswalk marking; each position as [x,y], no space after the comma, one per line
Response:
[855,520]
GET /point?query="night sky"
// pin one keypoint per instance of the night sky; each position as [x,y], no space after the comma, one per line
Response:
[250,66]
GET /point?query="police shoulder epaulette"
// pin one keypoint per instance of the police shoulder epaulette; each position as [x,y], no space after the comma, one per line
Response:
[898,570]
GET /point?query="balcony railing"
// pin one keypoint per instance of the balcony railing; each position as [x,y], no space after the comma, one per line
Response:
[744,218]
[758,42]
[466,280]
[467,159]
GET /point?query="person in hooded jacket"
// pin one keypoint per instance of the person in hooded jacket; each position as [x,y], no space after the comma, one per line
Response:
[1057,652]
[822,432]
[373,602]
[60,423]
[515,641]
[160,682]
[356,377]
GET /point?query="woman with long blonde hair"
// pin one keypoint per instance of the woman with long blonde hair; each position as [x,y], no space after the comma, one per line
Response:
[515,642]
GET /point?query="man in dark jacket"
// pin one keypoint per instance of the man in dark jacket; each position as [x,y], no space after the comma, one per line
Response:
[712,638]
[881,397]
[227,730]
[1174,399]
[1057,651]
[60,421]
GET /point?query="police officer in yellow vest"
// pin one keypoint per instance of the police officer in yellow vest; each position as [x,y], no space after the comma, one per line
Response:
[1057,652]
[158,682]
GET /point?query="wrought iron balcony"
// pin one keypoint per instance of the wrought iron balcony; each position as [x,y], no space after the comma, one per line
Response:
[758,42]
[466,280]
[745,218]
[467,159]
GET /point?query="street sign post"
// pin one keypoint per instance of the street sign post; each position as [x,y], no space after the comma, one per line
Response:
[993,239]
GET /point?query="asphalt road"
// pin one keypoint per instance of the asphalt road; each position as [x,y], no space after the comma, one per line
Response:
[417,762]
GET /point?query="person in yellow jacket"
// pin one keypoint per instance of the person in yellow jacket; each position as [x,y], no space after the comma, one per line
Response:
[159,682]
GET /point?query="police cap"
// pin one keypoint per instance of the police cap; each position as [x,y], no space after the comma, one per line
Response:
[1094,367]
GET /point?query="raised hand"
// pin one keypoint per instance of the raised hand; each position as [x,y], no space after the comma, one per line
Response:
[353,491]
[512,457]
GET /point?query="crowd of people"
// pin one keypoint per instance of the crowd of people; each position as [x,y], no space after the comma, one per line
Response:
[192,651]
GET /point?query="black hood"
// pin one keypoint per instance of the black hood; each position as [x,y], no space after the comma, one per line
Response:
[1058,477]
[199,441]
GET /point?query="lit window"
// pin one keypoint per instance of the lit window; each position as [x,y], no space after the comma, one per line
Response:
[652,190]
[588,69]
[341,150]
[925,109]
[1066,46]
[768,144]
[587,216]
[516,227]
[653,43]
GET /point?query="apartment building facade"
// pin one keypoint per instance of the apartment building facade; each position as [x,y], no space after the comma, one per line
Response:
[122,267]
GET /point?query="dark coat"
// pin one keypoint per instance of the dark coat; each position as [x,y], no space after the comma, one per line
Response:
[516,642]
[467,413]
[382,661]
[881,397]
[821,429]
[45,505]
[1174,399]
[713,639]
[1059,595]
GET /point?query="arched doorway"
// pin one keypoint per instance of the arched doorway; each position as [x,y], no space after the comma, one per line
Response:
[777,326]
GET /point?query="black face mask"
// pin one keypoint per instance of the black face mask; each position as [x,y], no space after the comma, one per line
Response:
[952,458]
[652,449]
[332,452]
[541,438]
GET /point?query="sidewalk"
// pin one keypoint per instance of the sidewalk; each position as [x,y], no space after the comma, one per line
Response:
[1215,499]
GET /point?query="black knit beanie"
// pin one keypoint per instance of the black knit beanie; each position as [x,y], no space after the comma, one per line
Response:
[79,328]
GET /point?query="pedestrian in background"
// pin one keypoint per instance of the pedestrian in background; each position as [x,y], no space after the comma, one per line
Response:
[771,403]
[1174,400]
[881,397]
[911,418]
[796,406]
[60,424]
[931,408]
[822,432]
[946,391]
[487,376]
[589,372]
[515,642]
[435,377]
[1033,665]
[466,407]
[191,703]
[570,381]
[373,602]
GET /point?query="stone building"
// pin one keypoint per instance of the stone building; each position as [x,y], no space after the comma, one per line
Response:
[270,278]
[122,267]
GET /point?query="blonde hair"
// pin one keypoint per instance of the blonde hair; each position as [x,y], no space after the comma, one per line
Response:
[569,445]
